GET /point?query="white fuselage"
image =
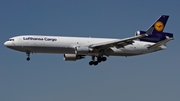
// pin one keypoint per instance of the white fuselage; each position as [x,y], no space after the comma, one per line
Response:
[66,45]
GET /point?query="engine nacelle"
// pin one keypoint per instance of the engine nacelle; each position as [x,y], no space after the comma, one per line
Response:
[137,33]
[72,57]
[82,50]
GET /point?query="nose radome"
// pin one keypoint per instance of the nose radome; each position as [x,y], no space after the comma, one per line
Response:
[6,43]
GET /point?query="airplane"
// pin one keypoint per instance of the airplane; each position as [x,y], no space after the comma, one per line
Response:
[77,48]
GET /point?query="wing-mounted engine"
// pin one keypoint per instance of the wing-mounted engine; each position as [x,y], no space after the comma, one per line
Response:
[83,50]
[72,57]
[154,37]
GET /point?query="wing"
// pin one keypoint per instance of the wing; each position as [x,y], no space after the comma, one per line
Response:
[121,42]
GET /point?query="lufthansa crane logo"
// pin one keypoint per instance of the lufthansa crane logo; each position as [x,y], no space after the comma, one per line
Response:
[159,26]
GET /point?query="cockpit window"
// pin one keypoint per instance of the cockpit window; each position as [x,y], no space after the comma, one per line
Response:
[11,39]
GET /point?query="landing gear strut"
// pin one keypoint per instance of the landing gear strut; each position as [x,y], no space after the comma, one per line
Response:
[28,54]
[99,59]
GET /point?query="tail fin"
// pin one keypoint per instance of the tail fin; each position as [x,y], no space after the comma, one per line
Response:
[160,24]
[157,34]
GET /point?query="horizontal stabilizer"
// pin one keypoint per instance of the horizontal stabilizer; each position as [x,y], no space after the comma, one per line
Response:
[160,43]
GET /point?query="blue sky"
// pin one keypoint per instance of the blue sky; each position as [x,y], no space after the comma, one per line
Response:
[47,77]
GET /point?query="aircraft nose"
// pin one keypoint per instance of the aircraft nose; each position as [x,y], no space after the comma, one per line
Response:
[7,43]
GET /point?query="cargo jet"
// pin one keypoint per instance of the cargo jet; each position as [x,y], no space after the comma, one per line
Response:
[76,48]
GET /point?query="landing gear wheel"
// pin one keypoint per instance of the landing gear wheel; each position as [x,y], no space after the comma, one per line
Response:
[28,59]
[28,54]
[104,58]
[96,63]
[91,63]
[99,59]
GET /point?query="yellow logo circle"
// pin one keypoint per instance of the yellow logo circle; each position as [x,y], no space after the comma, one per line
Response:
[159,26]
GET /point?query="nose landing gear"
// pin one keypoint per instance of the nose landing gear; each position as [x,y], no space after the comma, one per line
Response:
[28,54]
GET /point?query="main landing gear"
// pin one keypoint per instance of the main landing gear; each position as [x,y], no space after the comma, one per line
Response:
[99,59]
[28,54]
